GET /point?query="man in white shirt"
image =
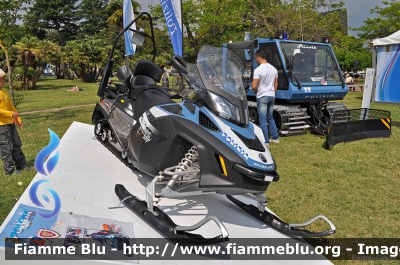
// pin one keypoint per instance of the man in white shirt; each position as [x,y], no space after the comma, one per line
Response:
[265,84]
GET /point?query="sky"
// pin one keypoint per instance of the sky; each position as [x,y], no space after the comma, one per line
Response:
[358,10]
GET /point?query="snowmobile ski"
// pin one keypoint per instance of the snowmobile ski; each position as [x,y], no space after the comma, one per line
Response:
[164,224]
[275,222]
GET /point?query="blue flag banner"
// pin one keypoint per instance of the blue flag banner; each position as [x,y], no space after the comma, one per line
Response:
[128,16]
[172,10]
[246,51]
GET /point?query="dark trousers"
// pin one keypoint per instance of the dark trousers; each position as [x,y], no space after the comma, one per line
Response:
[10,149]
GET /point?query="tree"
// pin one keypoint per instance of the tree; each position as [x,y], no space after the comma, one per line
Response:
[28,48]
[163,47]
[9,32]
[307,20]
[351,48]
[86,57]
[216,22]
[386,22]
[60,15]
[50,54]
[115,14]
[94,16]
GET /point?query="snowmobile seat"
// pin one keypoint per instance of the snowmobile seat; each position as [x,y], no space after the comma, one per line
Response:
[124,75]
[146,97]
[146,72]
[144,92]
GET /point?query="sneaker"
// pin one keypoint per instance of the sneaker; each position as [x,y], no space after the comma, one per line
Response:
[275,141]
[25,168]
[267,144]
[15,173]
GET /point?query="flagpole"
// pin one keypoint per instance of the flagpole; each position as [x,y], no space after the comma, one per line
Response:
[127,60]
[183,44]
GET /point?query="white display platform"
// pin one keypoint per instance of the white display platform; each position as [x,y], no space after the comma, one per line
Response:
[85,177]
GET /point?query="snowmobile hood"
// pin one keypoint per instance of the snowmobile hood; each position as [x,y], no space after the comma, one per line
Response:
[246,142]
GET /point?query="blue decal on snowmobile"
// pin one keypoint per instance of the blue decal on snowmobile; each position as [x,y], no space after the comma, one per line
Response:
[235,145]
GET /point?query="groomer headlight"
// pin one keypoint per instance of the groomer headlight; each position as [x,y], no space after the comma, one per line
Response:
[225,109]
[326,40]
[279,34]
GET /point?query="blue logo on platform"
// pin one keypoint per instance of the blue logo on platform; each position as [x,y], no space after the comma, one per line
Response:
[34,198]
[44,154]
[45,163]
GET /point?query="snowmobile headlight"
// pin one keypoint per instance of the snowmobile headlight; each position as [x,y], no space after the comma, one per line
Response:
[225,109]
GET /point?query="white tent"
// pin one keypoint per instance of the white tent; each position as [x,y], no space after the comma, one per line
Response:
[390,40]
[388,69]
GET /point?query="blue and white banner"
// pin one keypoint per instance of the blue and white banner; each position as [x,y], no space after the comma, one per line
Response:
[172,10]
[388,78]
[247,51]
[128,16]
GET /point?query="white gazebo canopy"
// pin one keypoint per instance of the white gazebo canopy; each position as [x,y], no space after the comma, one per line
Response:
[390,40]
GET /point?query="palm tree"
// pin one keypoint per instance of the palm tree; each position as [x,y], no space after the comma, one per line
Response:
[114,10]
[28,48]
[51,53]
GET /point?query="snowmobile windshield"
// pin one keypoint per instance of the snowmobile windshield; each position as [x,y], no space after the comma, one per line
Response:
[216,79]
[313,64]
[223,68]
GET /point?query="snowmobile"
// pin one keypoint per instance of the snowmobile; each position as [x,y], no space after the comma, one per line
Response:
[205,144]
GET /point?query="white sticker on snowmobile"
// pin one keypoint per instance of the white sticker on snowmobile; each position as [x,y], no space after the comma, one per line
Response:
[235,145]
[262,166]
[146,129]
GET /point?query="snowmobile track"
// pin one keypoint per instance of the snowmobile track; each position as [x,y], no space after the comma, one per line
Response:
[115,152]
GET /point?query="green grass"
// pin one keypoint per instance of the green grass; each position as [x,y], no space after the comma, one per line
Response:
[355,185]
[52,93]
[34,137]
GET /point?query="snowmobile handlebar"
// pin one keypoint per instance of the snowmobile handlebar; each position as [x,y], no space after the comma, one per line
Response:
[179,64]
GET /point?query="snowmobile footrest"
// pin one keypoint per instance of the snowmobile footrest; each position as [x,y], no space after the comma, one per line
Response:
[164,224]
[274,221]
[120,203]
[224,232]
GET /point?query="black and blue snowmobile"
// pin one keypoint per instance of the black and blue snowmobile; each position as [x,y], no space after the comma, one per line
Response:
[204,144]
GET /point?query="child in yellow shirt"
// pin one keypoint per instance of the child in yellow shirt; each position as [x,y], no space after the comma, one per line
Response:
[10,143]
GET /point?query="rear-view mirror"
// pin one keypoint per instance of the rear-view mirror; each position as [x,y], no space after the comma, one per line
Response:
[138,38]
